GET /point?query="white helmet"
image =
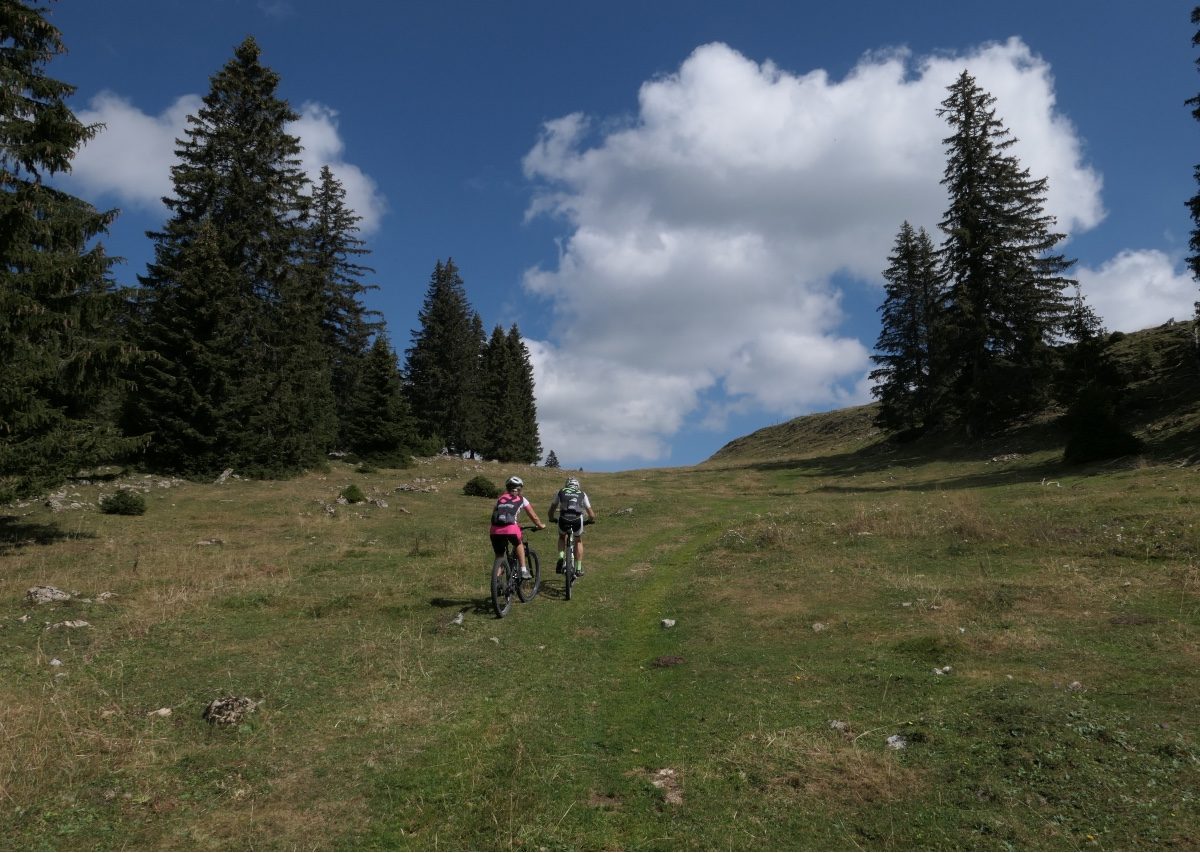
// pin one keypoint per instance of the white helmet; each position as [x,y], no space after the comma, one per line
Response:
[572,483]
[514,482]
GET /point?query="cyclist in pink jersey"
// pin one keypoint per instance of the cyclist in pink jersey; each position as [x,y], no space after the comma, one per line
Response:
[505,524]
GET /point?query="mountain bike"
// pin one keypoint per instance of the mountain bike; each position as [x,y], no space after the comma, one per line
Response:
[570,573]
[506,577]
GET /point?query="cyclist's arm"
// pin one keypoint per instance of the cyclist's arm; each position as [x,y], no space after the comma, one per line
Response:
[587,505]
[533,515]
[553,510]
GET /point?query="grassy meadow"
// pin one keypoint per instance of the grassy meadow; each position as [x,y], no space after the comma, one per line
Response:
[1028,634]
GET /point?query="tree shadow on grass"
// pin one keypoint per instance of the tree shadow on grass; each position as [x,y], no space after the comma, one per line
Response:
[16,534]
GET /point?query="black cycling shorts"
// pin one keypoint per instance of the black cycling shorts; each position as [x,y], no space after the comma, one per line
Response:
[500,542]
[565,525]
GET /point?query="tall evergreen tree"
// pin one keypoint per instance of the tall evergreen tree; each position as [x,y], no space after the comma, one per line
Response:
[1091,387]
[377,423]
[1194,202]
[441,364]
[1005,285]
[476,413]
[233,249]
[528,447]
[494,396]
[60,346]
[332,248]
[508,400]
[907,379]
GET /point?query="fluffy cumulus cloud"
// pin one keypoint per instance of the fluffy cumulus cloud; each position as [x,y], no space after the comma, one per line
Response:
[1138,289]
[131,158]
[706,232]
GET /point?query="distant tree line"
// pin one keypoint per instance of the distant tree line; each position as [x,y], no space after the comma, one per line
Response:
[984,330]
[1194,202]
[246,344]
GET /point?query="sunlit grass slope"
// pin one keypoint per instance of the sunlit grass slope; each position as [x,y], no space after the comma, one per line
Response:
[873,647]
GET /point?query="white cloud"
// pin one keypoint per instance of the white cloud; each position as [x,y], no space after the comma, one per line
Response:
[323,146]
[705,233]
[1138,289]
[131,158]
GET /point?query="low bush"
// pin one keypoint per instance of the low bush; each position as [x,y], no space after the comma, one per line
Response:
[123,502]
[481,487]
[353,494]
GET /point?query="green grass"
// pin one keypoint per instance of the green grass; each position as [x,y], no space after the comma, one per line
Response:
[818,583]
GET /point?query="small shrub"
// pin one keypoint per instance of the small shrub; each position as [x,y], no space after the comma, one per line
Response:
[367,468]
[123,502]
[429,446]
[481,487]
[353,494]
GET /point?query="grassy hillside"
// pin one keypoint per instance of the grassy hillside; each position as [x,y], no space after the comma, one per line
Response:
[871,649]
[1162,407]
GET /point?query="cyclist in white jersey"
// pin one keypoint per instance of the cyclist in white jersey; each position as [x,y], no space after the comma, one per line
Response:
[571,504]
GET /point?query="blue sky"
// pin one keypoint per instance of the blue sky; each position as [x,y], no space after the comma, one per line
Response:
[686,206]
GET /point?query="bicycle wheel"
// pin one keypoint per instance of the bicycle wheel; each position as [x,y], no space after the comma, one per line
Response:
[501,588]
[527,590]
[569,568]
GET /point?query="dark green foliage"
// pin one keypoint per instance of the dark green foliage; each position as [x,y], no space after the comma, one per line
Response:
[481,487]
[508,401]
[443,361]
[1006,306]
[353,494]
[1095,432]
[330,249]
[527,447]
[1194,202]
[907,383]
[377,425]
[60,346]
[124,502]
[229,312]
[1092,388]
[551,460]
[477,423]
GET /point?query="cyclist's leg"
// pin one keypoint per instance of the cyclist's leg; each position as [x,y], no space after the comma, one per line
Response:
[499,541]
[579,546]
[521,558]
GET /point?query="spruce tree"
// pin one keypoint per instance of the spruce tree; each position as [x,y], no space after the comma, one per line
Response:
[1005,285]
[551,460]
[1194,202]
[508,400]
[907,379]
[495,396]
[61,348]
[440,366]
[234,244]
[476,416]
[377,423]
[528,446]
[1091,387]
[332,248]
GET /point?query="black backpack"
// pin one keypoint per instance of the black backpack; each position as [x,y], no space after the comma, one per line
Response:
[506,510]
[570,504]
